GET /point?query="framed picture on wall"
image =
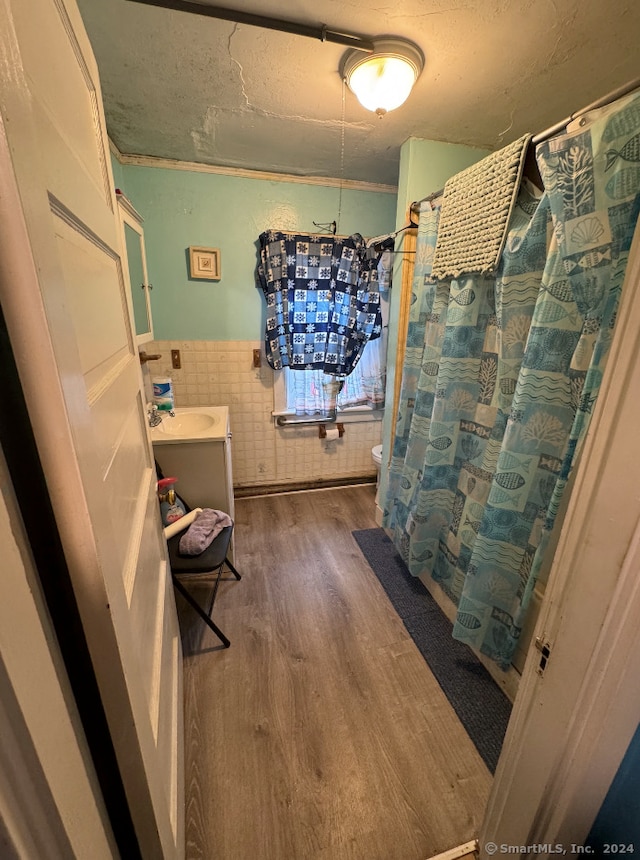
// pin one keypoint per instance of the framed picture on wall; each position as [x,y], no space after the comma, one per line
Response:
[204,263]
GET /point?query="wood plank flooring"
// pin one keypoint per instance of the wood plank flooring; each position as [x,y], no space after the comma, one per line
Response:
[320,734]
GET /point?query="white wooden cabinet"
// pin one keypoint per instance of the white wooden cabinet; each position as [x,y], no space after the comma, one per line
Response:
[199,458]
[136,274]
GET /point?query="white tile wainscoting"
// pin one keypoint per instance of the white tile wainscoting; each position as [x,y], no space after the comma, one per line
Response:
[219,373]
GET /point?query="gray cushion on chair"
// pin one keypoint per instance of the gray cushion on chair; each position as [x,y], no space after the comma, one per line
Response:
[208,561]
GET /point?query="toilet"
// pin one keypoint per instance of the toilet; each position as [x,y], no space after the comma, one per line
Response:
[376,456]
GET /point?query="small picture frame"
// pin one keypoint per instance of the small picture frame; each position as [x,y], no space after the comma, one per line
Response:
[204,263]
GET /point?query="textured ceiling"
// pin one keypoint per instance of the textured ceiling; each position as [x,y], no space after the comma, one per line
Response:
[191,88]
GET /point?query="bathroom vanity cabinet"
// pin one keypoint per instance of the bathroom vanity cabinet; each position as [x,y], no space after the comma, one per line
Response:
[135,265]
[195,447]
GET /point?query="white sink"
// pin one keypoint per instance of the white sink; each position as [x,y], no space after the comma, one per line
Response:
[191,424]
[186,423]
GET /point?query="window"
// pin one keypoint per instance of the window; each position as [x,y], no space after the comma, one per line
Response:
[308,393]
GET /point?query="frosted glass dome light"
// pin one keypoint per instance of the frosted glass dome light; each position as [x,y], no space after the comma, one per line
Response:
[383,80]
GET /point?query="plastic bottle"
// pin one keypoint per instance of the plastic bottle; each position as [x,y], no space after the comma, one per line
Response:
[163,392]
[171,508]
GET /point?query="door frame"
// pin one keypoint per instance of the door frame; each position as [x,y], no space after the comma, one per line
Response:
[571,726]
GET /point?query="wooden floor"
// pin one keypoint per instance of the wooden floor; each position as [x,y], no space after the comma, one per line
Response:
[320,733]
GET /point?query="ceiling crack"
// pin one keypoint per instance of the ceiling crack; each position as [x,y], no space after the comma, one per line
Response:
[239,65]
[269,114]
[508,128]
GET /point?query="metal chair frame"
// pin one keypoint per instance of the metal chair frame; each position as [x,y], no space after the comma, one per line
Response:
[208,563]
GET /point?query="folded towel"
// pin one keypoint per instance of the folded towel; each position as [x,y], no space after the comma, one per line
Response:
[203,531]
[475,214]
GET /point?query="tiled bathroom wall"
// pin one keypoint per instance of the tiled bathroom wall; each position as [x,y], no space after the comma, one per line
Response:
[221,373]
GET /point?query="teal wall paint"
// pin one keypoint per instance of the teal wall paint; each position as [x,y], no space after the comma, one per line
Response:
[425,166]
[183,208]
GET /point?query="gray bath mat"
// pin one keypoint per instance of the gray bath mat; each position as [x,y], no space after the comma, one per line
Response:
[476,210]
[480,704]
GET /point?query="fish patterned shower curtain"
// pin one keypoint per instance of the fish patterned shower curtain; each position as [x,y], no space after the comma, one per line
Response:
[501,377]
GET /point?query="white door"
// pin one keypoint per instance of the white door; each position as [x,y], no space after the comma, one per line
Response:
[572,724]
[67,315]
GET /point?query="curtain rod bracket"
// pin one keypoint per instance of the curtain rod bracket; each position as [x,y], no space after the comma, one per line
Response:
[329,226]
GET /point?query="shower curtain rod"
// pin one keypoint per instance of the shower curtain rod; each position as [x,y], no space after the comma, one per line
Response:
[554,129]
[601,102]
[415,206]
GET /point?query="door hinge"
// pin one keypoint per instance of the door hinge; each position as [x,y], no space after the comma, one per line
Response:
[544,647]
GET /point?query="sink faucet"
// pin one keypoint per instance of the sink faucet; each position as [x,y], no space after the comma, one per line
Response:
[154,415]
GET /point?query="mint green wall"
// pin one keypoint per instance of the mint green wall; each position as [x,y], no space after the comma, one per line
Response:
[118,175]
[183,208]
[425,166]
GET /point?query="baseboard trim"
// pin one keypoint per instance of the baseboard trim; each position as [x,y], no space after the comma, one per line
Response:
[301,486]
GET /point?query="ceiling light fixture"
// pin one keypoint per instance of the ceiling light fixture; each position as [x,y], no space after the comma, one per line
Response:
[382,80]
